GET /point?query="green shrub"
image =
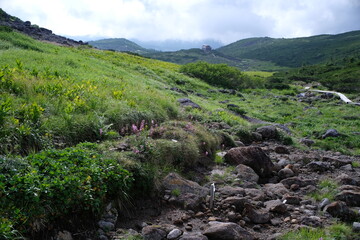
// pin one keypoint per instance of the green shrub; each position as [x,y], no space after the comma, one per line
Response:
[57,183]
[220,75]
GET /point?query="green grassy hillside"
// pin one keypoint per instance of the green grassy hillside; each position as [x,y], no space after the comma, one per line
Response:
[119,44]
[81,127]
[295,52]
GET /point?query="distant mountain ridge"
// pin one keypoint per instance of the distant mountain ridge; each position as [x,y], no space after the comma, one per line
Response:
[295,52]
[119,44]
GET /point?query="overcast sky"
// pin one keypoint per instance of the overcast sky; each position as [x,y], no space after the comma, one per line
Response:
[223,20]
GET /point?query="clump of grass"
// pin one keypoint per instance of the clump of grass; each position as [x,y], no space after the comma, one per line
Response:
[355,164]
[327,189]
[332,232]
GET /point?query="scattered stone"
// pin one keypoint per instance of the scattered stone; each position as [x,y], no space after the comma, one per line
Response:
[283,162]
[313,221]
[184,102]
[275,206]
[64,235]
[256,136]
[106,226]
[227,231]
[237,202]
[191,193]
[345,179]
[307,142]
[175,89]
[323,203]
[174,234]
[246,173]
[285,173]
[193,236]
[331,133]
[253,157]
[293,200]
[153,232]
[255,194]
[268,132]
[347,167]
[318,166]
[232,191]
[276,221]
[337,162]
[278,189]
[350,197]
[188,227]
[257,215]
[282,150]
[296,180]
[275,236]
[356,227]
[340,210]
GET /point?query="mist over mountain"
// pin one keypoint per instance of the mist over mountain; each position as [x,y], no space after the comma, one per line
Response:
[175,45]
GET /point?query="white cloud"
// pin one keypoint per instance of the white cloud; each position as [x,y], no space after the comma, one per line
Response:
[225,20]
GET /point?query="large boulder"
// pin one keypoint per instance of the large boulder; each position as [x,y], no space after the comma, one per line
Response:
[268,132]
[253,157]
[227,231]
[331,133]
[186,102]
[189,194]
[257,216]
[340,210]
[350,195]
[246,173]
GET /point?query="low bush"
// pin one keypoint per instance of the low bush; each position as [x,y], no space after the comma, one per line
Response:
[220,75]
[56,183]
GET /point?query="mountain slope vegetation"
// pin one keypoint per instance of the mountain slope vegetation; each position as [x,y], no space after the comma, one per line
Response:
[81,127]
[295,52]
[119,44]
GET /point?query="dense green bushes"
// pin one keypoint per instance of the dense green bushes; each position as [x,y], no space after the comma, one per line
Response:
[37,190]
[220,75]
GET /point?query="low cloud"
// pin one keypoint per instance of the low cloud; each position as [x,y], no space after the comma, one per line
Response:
[227,20]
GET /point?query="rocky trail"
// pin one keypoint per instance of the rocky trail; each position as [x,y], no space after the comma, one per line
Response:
[262,191]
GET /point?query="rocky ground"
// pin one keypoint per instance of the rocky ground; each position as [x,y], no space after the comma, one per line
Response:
[261,191]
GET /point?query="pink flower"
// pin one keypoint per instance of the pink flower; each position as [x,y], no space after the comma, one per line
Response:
[142,125]
[101,131]
[206,153]
[134,128]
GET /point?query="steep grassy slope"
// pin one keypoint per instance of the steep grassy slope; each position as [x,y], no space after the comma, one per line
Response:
[119,44]
[295,52]
[54,100]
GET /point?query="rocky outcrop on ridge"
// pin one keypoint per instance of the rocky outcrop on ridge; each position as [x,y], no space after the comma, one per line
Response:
[35,31]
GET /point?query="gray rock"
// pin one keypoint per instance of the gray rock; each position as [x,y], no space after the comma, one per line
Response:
[313,221]
[323,203]
[106,226]
[64,235]
[153,233]
[276,188]
[307,142]
[285,173]
[356,227]
[246,173]
[347,167]
[282,150]
[237,202]
[318,166]
[336,162]
[227,231]
[187,102]
[275,206]
[292,200]
[268,132]
[331,133]
[283,162]
[255,194]
[253,157]
[232,191]
[345,179]
[257,215]
[340,210]
[193,236]
[287,182]
[275,236]
[174,234]
[191,193]
[350,197]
